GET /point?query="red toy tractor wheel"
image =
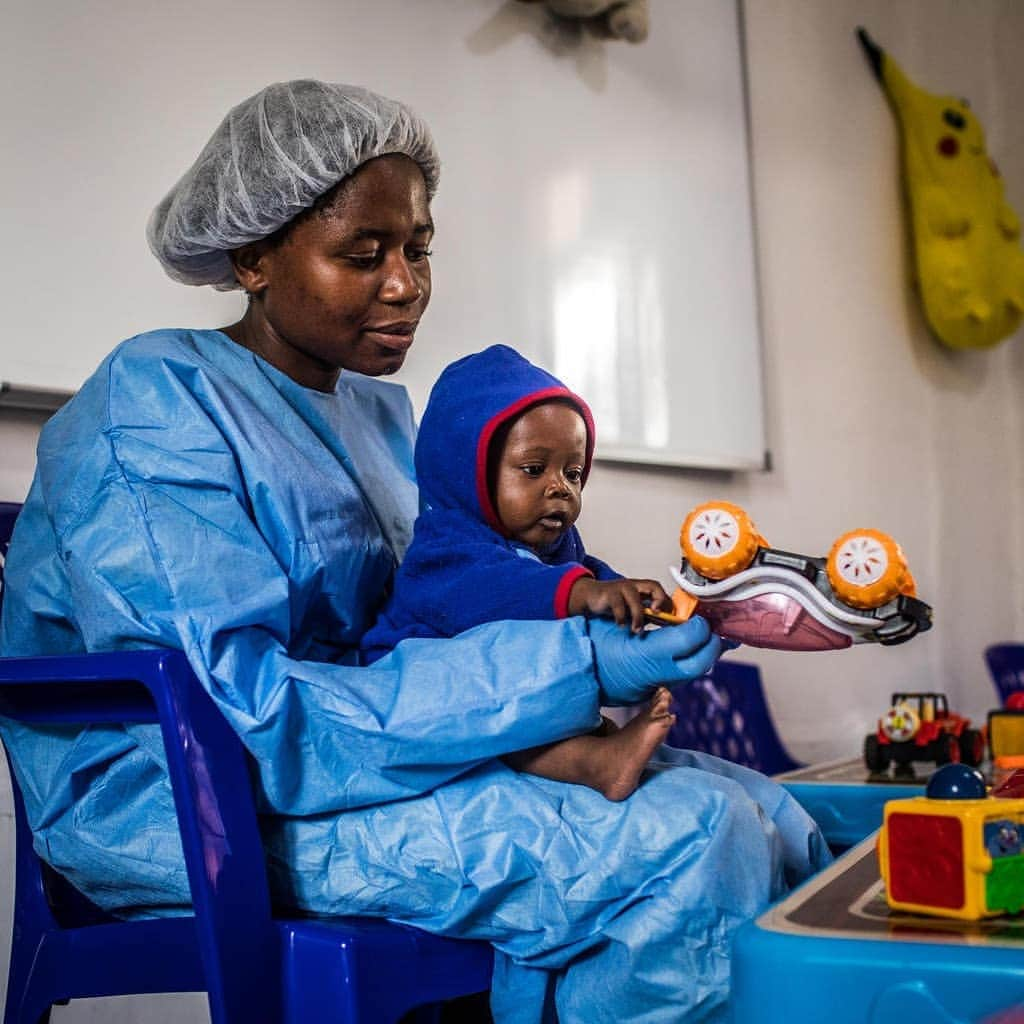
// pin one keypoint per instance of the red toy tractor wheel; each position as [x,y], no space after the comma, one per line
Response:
[947,749]
[972,747]
[876,754]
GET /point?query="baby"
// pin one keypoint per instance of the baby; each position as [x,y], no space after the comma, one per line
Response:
[502,455]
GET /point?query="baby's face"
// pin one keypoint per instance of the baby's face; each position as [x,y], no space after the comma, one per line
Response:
[540,474]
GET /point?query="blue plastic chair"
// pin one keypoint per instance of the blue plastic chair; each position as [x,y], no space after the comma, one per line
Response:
[1006,663]
[725,713]
[257,968]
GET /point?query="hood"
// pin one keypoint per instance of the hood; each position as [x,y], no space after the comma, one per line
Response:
[472,398]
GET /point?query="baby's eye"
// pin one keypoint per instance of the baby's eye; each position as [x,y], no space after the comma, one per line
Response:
[418,255]
[533,469]
[574,476]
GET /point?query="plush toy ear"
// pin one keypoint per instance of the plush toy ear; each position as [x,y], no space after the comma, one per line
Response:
[614,19]
[628,21]
[582,9]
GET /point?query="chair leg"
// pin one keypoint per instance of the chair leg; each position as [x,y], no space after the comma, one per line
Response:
[21,1006]
[23,951]
[28,1014]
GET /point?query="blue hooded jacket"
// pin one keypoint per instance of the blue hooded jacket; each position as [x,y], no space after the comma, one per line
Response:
[462,569]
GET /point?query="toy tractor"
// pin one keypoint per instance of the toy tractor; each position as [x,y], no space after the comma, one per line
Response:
[920,727]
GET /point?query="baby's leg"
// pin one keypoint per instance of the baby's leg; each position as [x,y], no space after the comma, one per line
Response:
[610,763]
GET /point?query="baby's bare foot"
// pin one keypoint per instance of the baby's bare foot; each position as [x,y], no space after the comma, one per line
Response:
[627,751]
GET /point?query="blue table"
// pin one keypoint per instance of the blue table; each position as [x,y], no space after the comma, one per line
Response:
[833,953]
[846,800]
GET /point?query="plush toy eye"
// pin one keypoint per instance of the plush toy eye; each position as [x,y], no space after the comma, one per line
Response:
[954,119]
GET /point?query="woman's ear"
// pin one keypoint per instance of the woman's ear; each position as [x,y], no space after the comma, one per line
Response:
[249,265]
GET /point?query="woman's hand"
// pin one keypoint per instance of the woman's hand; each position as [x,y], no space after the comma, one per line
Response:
[630,667]
[621,600]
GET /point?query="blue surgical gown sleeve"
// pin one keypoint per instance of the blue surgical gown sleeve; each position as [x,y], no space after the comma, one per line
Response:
[170,534]
[325,736]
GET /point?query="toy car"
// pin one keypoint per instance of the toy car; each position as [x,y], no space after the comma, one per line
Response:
[862,592]
[920,727]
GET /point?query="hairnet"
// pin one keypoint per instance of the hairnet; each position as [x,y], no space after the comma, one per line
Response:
[272,157]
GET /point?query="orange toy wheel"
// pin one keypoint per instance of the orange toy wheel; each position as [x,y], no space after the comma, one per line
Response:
[718,539]
[867,568]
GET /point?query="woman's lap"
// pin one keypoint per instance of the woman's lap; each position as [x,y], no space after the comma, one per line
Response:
[617,911]
[639,898]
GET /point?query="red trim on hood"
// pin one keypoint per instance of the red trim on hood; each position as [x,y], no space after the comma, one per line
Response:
[483,445]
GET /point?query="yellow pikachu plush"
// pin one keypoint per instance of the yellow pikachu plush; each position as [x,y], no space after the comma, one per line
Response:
[970,266]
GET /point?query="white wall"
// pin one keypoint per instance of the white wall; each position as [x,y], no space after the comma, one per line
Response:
[871,422]
[602,271]
[18,434]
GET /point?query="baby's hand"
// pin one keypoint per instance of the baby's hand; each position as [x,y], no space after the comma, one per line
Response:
[621,600]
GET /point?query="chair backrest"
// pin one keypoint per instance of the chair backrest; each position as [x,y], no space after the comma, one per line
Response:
[1006,664]
[212,793]
[41,891]
[725,713]
[212,796]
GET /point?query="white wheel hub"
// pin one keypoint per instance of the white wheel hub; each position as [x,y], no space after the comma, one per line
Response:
[861,561]
[714,532]
[900,723]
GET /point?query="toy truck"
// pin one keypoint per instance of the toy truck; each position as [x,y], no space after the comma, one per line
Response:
[920,727]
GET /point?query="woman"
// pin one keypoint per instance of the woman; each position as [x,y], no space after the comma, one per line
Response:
[244,495]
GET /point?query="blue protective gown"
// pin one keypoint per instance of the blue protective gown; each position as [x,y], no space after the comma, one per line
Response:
[191,496]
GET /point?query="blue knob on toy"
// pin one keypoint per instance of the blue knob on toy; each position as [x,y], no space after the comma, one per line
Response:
[956,782]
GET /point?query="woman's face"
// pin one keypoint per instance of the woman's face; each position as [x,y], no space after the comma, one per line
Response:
[346,287]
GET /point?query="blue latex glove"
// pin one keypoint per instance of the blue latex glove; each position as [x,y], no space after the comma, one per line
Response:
[631,665]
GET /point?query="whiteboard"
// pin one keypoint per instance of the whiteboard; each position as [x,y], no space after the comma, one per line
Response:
[594,208]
